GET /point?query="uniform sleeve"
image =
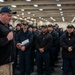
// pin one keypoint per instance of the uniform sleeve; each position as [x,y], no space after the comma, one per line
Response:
[55,39]
[37,43]
[3,41]
[49,44]
[62,42]
[17,38]
[30,41]
[3,36]
[73,46]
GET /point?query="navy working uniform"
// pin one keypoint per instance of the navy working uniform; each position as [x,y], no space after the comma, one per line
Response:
[67,42]
[24,56]
[43,42]
[53,48]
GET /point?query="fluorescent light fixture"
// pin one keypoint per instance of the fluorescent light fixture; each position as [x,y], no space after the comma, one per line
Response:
[22,13]
[14,6]
[45,19]
[35,5]
[41,9]
[14,17]
[52,18]
[63,19]
[25,19]
[28,17]
[22,9]
[28,0]
[39,17]
[61,12]
[33,14]
[42,18]
[60,9]
[59,5]
[18,15]
[28,21]
[32,19]
[29,12]
[20,18]
[73,19]
[1,0]
[57,0]
[41,23]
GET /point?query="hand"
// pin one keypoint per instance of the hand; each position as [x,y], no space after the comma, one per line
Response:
[22,48]
[69,49]
[10,36]
[41,50]
[18,45]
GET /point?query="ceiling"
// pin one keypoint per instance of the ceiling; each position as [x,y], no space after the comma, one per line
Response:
[50,11]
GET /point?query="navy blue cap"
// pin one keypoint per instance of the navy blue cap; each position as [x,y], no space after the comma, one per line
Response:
[70,26]
[6,9]
[50,25]
[18,25]
[44,26]
[25,24]
[30,26]
[34,26]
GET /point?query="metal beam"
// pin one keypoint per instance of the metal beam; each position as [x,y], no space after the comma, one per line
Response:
[39,2]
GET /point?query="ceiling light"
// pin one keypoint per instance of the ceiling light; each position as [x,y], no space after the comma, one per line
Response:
[35,5]
[61,12]
[41,23]
[41,9]
[18,15]
[52,18]
[33,14]
[29,12]
[39,17]
[57,0]
[45,19]
[28,17]
[14,17]
[42,18]
[14,6]
[60,9]
[22,9]
[1,0]
[28,21]
[20,18]
[25,19]
[28,0]
[32,19]
[22,13]
[59,5]
[63,19]
[73,19]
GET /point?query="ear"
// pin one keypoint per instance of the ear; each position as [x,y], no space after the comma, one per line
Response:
[2,14]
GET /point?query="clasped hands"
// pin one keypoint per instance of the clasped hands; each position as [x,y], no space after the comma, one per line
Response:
[20,46]
[41,50]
